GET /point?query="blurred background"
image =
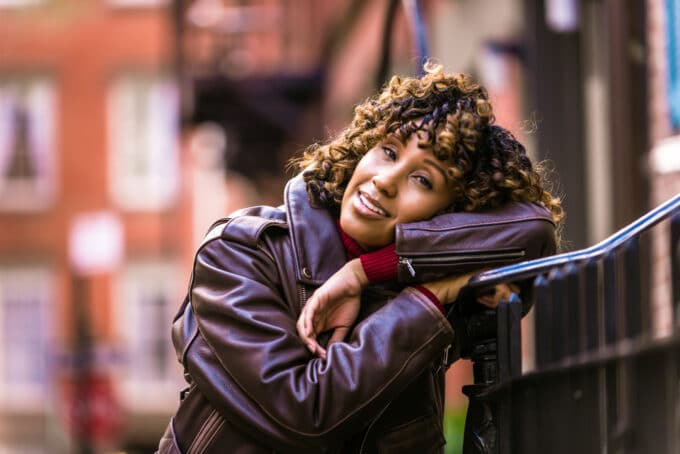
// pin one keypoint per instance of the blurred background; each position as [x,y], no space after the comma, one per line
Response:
[128,126]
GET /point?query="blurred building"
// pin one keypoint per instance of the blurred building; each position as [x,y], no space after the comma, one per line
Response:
[95,221]
[603,80]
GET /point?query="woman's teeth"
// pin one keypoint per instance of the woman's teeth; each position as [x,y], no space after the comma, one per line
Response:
[370,206]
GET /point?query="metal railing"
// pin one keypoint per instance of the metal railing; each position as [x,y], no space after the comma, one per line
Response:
[603,380]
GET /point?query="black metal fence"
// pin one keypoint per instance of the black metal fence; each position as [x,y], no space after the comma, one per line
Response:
[603,380]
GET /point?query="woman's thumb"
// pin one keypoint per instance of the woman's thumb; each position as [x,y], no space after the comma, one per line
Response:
[338,335]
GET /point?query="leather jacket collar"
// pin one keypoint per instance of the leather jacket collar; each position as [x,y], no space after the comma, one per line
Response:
[317,246]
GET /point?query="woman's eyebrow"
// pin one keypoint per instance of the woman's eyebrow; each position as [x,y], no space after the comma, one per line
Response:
[394,140]
[434,164]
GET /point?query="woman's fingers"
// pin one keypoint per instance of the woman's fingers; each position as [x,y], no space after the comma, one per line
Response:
[309,323]
[338,335]
[488,301]
[493,296]
[305,330]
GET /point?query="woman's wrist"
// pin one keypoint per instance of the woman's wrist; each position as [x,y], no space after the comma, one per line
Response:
[381,265]
[356,268]
[437,290]
[431,297]
[446,290]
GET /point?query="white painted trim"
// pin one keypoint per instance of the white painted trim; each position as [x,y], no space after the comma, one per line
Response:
[665,156]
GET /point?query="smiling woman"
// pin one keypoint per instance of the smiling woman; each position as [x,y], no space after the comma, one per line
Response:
[422,157]
[394,183]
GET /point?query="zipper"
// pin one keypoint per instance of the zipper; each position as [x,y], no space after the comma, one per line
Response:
[453,259]
[445,360]
[302,295]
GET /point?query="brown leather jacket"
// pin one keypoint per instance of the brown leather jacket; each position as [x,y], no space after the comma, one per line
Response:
[254,387]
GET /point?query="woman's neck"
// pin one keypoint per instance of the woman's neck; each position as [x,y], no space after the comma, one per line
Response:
[352,248]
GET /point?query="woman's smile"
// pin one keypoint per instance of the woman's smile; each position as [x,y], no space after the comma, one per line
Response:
[369,206]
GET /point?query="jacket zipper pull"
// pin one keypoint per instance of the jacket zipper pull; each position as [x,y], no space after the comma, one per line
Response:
[445,359]
[407,262]
[444,362]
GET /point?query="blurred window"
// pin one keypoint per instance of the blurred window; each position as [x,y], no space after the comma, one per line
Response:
[24,333]
[143,115]
[27,117]
[148,295]
[4,3]
[137,3]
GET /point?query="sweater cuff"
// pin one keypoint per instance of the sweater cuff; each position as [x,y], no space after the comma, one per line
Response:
[381,265]
[430,296]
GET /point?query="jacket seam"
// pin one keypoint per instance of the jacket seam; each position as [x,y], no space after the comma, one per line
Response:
[206,433]
[205,244]
[194,332]
[289,208]
[443,321]
[450,228]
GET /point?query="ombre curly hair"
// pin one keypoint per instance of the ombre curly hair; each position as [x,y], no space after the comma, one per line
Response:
[450,114]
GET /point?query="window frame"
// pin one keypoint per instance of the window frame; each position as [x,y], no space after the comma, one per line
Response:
[158,190]
[29,397]
[39,193]
[144,395]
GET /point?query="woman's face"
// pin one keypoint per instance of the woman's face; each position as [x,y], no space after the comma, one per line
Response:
[393,183]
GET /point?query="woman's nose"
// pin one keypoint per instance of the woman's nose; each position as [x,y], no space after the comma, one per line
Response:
[385,182]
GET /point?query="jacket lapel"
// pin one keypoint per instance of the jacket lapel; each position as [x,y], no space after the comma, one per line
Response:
[317,245]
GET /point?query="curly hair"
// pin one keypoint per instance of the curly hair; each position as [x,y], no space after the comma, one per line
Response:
[454,117]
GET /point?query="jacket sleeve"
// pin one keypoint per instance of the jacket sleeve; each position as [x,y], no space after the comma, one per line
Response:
[460,242]
[249,362]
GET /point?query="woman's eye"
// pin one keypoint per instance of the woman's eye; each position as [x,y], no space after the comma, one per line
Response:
[390,153]
[424,182]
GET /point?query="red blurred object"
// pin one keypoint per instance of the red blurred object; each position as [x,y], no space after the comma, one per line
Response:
[92,412]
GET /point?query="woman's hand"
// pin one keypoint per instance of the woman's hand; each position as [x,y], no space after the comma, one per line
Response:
[448,289]
[333,306]
[501,292]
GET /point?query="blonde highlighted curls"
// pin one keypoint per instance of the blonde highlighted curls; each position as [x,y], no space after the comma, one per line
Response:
[450,114]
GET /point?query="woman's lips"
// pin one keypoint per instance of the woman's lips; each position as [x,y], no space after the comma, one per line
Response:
[370,206]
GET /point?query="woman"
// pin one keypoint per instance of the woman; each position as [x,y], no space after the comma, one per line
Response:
[422,147]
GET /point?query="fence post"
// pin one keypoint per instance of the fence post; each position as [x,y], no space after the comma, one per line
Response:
[492,340]
[509,329]
[543,321]
[481,433]
[675,266]
[634,314]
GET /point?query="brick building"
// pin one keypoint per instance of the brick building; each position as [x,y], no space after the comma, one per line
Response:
[93,215]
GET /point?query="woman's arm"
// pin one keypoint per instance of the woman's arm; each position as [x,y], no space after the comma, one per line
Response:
[436,251]
[249,362]
[335,305]
[460,242]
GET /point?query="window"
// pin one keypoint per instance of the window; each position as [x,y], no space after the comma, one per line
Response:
[137,3]
[26,143]
[25,335]
[143,142]
[148,295]
[10,3]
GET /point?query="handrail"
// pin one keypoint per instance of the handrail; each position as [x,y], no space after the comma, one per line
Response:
[534,267]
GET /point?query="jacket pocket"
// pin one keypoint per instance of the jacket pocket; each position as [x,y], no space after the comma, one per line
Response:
[422,435]
[423,268]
